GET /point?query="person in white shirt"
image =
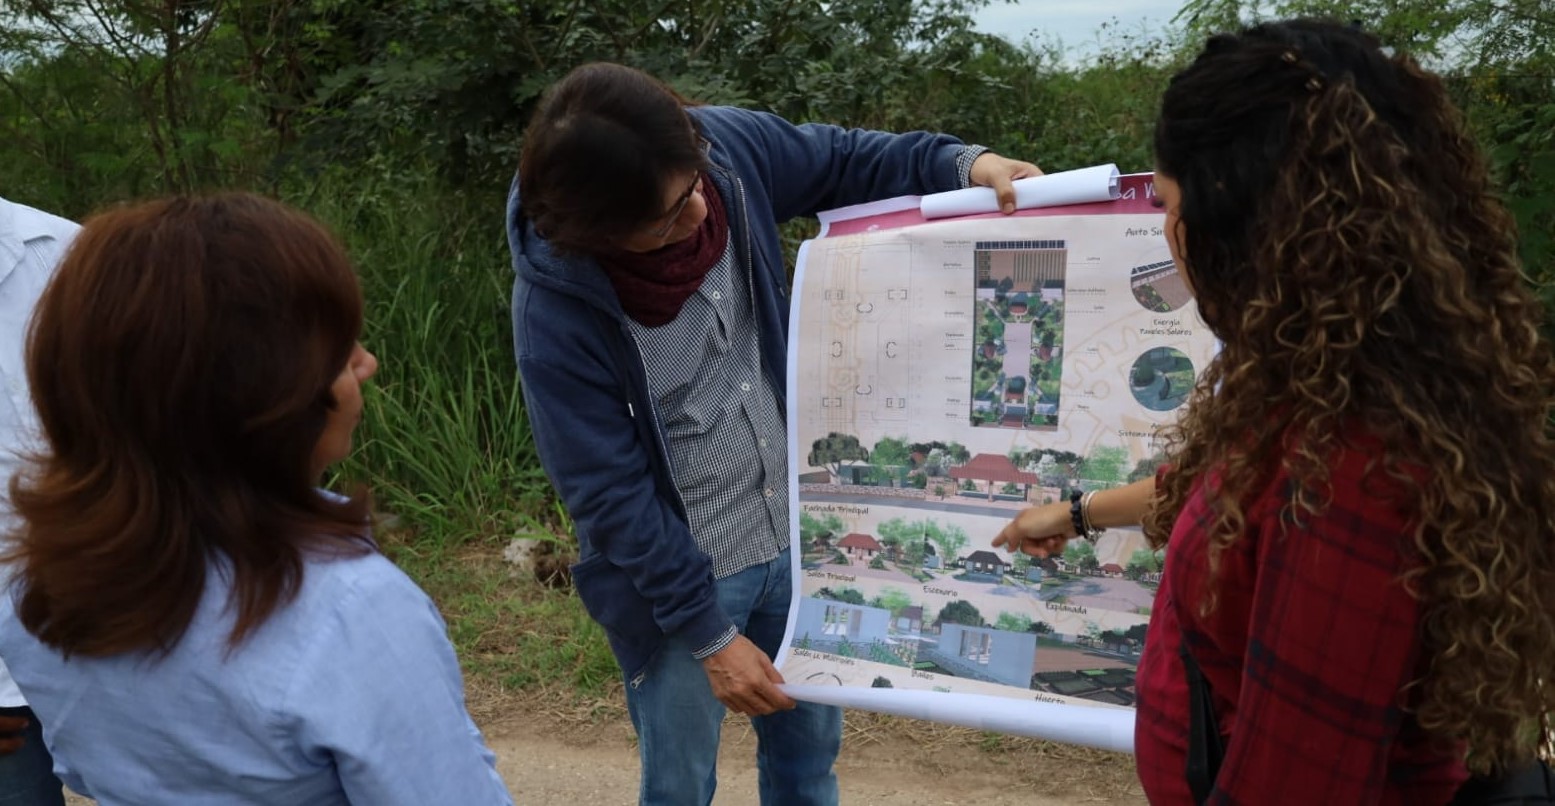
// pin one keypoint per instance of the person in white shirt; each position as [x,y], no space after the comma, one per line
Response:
[31,243]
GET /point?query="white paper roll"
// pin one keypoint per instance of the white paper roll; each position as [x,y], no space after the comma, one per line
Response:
[1098,183]
[1093,726]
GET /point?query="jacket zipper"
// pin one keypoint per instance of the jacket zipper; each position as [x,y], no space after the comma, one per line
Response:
[653,412]
[660,447]
[750,267]
[653,409]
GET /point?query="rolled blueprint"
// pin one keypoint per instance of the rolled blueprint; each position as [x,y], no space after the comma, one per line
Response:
[1102,728]
[1097,183]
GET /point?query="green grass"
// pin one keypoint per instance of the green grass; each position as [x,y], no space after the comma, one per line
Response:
[444,443]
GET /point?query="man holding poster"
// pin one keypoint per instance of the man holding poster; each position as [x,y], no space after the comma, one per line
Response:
[650,315]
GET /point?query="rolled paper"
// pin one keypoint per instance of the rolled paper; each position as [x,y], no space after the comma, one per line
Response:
[1098,183]
[1101,727]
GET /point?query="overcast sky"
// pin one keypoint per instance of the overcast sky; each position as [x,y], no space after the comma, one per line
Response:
[1074,22]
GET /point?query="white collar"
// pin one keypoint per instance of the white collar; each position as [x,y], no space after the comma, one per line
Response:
[13,243]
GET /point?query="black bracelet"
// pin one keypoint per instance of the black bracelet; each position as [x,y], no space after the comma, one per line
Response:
[1076,515]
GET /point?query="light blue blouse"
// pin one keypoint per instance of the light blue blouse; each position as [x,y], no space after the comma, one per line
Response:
[349,694]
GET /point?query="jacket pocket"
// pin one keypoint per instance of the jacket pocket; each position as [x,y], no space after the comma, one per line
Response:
[626,615]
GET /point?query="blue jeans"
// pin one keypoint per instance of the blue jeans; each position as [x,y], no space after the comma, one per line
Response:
[27,776]
[678,719]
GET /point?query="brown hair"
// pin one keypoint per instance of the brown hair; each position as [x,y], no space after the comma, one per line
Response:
[1347,247]
[180,362]
[597,154]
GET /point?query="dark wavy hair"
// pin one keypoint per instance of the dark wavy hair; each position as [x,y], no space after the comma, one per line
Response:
[1346,246]
[181,361]
[598,153]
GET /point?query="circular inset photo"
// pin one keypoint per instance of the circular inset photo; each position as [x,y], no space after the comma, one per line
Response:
[1161,378]
[1156,283]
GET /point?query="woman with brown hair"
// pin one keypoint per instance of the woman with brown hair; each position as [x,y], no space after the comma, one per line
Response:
[194,620]
[1358,605]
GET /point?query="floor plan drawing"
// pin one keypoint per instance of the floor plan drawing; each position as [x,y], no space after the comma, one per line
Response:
[943,376]
[1017,357]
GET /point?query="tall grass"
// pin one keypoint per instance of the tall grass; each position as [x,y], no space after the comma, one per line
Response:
[444,443]
[444,438]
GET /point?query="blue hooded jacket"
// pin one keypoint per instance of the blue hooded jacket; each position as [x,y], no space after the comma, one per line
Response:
[598,434]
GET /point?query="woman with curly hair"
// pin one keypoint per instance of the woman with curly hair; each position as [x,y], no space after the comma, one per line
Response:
[1360,499]
[193,620]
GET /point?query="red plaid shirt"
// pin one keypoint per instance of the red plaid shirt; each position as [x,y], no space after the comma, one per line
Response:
[1312,639]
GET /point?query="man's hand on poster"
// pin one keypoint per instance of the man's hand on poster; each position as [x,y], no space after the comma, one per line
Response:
[993,171]
[744,679]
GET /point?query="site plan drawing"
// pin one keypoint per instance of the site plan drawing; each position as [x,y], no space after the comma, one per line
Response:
[943,375]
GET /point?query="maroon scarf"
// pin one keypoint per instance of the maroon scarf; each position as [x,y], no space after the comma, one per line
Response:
[654,286]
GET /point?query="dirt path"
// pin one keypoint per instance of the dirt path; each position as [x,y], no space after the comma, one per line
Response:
[893,763]
[889,771]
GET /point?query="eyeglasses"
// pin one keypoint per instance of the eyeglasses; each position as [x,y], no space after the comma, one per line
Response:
[685,198]
[680,206]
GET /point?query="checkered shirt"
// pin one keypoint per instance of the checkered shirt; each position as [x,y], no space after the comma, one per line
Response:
[727,437]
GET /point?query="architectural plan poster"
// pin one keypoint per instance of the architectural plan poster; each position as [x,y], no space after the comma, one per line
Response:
[942,376]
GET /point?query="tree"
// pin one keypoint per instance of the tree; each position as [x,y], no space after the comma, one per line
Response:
[1113,639]
[900,531]
[148,61]
[845,595]
[1105,465]
[1048,472]
[1013,622]
[890,455]
[1146,468]
[1141,562]
[907,534]
[1497,57]
[1077,552]
[961,612]
[950,539]
[892,599]
[1069,464]
[1041,628]
[811,527]
[832,450]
